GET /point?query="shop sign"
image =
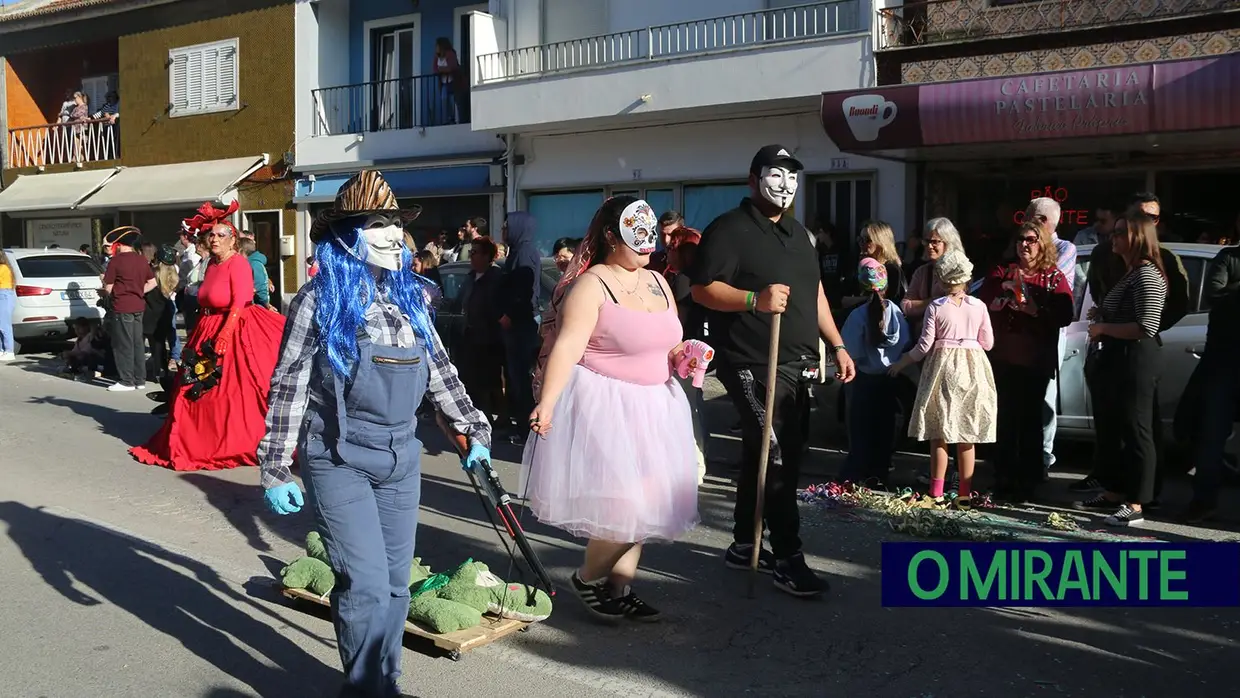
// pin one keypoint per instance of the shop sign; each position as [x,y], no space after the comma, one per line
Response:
[69,233]
[1068,214]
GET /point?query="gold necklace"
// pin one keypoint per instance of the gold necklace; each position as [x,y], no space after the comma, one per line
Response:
[631,292]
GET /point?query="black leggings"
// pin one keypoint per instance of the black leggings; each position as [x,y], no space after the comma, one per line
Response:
[1123,380]
[1018,447]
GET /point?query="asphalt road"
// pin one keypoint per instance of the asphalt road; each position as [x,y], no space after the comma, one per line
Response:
[123,580]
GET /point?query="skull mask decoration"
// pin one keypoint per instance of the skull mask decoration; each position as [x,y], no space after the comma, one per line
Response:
[639,227]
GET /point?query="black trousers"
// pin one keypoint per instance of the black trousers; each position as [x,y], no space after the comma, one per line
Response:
[746,387]
[1018,446]
[1123,378]
[158,344]
[482,373]
[128,348]
[188,305]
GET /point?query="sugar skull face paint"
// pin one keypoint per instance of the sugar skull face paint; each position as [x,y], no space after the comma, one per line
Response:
[384,238]
[778,185]
[639,228]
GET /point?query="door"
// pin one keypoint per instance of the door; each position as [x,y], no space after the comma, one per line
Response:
[844,203]
[265,225]
[465,56]
[393,73]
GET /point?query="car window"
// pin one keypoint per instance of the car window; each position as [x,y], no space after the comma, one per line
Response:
[1196,268]
[452,283]
[1080,286]
[57,266]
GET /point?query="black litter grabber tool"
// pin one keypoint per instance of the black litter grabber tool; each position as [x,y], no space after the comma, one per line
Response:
[498,503]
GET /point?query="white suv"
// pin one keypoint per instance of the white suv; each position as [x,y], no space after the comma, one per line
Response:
[54,287]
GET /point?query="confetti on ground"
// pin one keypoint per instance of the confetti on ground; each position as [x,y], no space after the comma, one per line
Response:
[944,519]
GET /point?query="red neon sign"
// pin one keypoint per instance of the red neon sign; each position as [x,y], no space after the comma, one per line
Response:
[1077,216]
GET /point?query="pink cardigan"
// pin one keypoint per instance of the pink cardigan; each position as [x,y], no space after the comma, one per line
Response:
[947,325]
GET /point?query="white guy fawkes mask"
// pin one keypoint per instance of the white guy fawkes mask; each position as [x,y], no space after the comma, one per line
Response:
[639,228]
[778,185]
[384,239]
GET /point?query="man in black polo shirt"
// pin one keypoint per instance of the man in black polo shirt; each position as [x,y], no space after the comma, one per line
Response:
[755,261]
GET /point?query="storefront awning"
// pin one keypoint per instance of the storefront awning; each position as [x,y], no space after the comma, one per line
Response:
[1024,112]
[52,192]
[460,180]
[172,186]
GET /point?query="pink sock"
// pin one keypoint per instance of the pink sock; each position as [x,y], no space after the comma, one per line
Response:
[966,487]
[936,487]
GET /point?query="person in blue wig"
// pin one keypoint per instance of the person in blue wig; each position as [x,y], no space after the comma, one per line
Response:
[358,355]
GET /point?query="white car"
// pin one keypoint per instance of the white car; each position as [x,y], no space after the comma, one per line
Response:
[54,287]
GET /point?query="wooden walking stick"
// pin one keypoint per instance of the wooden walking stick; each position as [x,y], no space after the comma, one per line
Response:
[772,362]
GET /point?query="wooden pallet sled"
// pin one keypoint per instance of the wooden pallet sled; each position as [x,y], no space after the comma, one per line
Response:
[453,644]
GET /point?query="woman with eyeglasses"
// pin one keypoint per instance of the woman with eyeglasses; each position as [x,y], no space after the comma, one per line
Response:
[1030,299]
[1122,370]
[877,241]
[940,238]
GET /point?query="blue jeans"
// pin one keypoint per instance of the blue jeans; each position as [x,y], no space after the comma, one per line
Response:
[1217,417]
[870,401]
[8,303]
[174,342]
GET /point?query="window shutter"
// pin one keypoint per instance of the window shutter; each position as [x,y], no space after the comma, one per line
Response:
[228,76]
[179,82]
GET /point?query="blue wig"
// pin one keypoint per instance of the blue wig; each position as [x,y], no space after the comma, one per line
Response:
[345,286]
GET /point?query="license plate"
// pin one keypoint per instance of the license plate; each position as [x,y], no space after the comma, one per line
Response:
[77,295]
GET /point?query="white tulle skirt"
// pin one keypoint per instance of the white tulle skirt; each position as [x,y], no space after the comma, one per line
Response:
[620,462]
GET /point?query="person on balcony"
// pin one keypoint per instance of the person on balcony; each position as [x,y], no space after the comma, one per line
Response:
[447,67]
[111,109]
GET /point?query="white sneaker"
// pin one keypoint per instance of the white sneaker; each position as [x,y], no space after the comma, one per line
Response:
[7,356]
[140,386]
[120,388]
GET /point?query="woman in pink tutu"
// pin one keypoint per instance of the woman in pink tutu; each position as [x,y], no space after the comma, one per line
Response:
[616,461]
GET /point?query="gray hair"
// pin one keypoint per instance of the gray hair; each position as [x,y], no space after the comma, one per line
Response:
[946,230]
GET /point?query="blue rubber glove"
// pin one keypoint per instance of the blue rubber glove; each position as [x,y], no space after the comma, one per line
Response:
[477,454]
[284,499]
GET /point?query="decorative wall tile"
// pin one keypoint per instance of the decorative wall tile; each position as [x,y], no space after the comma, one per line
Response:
[1050,60]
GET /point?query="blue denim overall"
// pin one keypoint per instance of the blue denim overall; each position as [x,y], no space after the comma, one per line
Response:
[362,474]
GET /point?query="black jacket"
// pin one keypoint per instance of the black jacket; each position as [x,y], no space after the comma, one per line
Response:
[482,307]
[1222,292]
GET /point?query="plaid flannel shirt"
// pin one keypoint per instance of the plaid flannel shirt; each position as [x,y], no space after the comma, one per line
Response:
[291,389]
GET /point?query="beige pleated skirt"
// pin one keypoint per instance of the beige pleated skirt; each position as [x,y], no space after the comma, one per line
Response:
[956,398]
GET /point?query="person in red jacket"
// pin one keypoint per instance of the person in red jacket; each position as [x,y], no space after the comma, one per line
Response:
[1030,299]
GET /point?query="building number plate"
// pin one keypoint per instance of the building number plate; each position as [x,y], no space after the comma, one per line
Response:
[839,163]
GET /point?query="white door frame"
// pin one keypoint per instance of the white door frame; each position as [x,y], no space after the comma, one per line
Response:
[457,14]
[368,29]
[245,219]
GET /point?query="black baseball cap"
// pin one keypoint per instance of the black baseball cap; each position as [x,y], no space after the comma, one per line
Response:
[774,156]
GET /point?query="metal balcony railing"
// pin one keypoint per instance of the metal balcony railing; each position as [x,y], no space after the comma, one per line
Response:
[400,103]
[682,40]
[63,144]
[942,21]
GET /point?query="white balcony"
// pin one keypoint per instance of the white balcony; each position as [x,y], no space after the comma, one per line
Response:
[389,120]
[64,144]
[765,55]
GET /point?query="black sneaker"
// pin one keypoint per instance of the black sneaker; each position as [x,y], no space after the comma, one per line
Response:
[1086,484]
[637,609]
[598,599]
[1098,501]
[793,576]
[739,555]
[1125,516]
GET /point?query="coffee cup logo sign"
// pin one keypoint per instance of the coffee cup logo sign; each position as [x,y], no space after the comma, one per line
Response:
[1093,102]
[867,115]
[1068,216]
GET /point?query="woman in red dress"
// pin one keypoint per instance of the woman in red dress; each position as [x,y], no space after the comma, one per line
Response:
[219,427]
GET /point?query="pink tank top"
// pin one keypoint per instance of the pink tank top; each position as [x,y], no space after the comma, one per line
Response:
[632,345]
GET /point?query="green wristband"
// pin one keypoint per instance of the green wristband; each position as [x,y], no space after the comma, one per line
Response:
[751,301]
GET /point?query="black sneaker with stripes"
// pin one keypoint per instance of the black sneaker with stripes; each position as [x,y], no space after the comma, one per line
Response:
[599,600]
[637,609]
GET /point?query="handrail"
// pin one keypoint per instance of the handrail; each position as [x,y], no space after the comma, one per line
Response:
[382,105]
[79,142]
[922,22]
[682,39]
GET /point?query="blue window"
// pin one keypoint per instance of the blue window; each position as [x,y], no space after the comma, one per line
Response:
[562,215]
[703,203]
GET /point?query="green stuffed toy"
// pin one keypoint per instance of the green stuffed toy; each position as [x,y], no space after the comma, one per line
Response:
[310,574]
[474,584]
[315,547]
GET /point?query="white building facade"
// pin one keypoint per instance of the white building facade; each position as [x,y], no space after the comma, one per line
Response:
[669,101]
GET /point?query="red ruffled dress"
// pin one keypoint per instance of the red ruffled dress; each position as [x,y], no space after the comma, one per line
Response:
[222,428]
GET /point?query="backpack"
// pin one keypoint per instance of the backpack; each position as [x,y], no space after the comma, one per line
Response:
[1178,296]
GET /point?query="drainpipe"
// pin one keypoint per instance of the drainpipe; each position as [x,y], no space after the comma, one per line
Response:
[510,174]
[4,116]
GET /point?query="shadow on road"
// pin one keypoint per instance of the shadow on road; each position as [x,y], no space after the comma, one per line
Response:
[133,428]
[177,596]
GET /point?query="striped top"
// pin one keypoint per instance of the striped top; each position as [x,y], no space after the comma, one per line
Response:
[1139,298]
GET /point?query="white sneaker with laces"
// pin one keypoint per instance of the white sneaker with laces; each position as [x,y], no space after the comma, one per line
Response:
[121,388]
[1125,516]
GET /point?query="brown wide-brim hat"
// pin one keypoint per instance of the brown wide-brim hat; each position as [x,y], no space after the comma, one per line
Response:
[364,194]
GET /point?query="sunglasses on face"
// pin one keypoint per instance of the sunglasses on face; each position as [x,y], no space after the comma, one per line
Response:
[1027,240]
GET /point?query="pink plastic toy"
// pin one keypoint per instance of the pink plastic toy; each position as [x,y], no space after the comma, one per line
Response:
[695,360]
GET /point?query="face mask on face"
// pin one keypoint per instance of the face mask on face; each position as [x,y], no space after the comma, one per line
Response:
[778,186]
[639,227]
[384,237]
